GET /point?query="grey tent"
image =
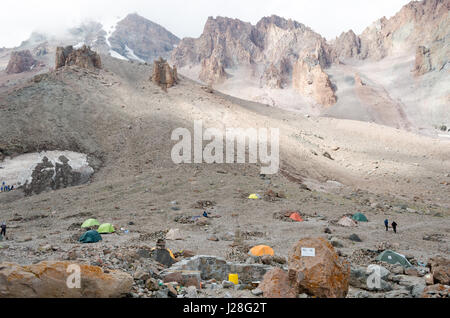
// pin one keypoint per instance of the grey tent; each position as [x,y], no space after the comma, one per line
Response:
[392,257]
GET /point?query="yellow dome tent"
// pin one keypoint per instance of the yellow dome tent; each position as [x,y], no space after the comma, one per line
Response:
[90,223]
[254,196]
[106,228]
[261,250]
[170,252]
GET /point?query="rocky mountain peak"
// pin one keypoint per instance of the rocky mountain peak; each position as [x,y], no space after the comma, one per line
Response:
[20,61]
[136,37]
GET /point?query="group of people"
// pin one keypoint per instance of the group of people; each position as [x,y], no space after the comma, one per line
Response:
[6,188]
[394,225]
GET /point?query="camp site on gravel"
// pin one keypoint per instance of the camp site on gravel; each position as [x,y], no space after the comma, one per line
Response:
[253,150]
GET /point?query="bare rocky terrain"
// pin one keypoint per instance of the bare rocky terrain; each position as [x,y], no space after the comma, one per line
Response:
[121,118]
[382,160]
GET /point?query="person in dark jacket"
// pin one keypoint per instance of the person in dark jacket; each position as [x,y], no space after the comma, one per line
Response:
[386,224]
[394,226]
[3,229]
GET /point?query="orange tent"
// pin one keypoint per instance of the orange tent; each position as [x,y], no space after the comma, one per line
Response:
[261,250]
[296,217]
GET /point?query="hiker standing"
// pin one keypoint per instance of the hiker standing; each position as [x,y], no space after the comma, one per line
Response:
[394,226]
[386,224]
[3,231]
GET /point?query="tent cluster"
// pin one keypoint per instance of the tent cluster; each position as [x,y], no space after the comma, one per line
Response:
[388,256]
[93,236]
[353,221]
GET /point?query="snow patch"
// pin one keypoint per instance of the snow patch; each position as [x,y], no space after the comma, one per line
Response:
[131,55]
[110,29]
[117,55]
[78,46]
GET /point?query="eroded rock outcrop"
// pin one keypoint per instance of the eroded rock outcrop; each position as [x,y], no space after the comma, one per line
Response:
[347,45]
[20,61]
[324,275]
[163,75]
[212,71]
[423,61]
[49,280]
[310,79]
[49,176]
[83,57]
[272,77]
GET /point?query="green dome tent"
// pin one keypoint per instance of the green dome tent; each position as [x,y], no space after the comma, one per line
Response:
[392,257]
[360,217]
[90,223]
[106,228]
[90,237]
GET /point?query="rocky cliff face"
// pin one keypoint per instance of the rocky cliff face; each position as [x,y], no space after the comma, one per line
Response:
[416,24]
[347,45]
[310,80]
[21,61]
[143,38]
[84,57]
[270,48]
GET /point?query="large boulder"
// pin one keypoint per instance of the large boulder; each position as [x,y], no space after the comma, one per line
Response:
[276,284]
[366,278]
[19,62]
[83,57]
[440,269]
[436,291]
[50,280]
[323,275]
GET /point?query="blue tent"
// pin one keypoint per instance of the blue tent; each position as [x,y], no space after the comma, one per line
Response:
[90,237]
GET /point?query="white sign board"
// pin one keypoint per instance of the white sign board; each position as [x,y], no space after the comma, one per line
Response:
[306,251]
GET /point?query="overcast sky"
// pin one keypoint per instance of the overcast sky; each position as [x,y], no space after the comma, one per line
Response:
[18,18]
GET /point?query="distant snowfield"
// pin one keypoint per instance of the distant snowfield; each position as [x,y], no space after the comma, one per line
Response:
[17,171]
[132,56]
